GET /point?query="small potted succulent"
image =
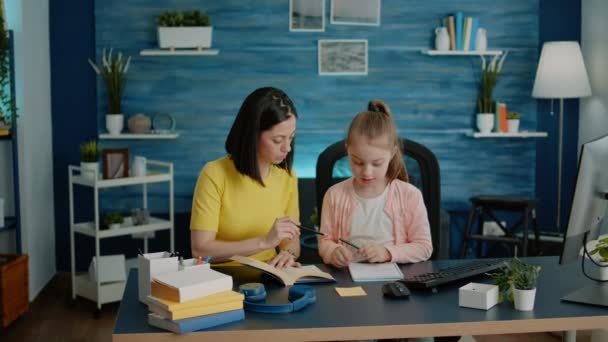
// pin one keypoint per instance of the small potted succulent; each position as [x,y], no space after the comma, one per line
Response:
[89,160]
[191,29]
[113,220]
[513,122]
[598,250]
[518,281]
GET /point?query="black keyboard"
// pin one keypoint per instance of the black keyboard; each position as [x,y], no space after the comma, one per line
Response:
[453,273]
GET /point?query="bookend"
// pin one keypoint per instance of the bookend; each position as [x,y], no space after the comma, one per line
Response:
[255,293]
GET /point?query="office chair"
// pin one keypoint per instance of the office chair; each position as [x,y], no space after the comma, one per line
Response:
[423,170]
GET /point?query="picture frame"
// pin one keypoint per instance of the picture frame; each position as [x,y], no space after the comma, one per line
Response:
[307,15]
[342,56]
[355,12]
[115,163]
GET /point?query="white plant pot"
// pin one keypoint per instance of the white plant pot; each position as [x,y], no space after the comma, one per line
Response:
[524,299]
[591,268]
[185,37]
[115,123]
[513,125]
[115,225]
[485,122]
[89,170]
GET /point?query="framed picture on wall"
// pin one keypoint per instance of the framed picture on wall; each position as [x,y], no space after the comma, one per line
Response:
[307,15]
[355,12]
[115,163]
[342,56]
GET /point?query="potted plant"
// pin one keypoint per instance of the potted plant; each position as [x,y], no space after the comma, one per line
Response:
[113,220]
[485,99]
[8,110]
[184,30]
[513,122]
[598,250]
[114,74]
[524,284]
[89,157]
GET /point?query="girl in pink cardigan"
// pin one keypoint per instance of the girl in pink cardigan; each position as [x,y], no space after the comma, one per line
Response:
[376,209]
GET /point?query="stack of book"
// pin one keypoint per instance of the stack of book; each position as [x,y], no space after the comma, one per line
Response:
[462,30]
[193,299]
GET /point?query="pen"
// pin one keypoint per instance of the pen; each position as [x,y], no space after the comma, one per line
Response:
[349,243]
[207,259]
[311,230]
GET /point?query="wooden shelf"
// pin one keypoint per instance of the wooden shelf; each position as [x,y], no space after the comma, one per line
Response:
[179,52]
[461,53]
[162,136]
[523,134]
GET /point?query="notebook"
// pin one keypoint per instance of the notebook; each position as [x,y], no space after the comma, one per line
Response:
[374,272]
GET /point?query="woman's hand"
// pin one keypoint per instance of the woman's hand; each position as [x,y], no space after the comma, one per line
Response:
[283,228]
[374,253]
[341,257]
[284,259]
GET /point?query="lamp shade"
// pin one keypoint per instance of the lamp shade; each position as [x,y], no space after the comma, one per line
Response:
[561,72]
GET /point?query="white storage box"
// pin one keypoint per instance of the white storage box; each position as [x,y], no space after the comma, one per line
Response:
[110,268]
[478,296]
[150,265]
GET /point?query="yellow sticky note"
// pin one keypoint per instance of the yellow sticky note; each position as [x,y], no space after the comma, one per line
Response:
[350,291]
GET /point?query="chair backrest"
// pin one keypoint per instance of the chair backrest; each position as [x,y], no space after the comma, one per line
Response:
[422,167]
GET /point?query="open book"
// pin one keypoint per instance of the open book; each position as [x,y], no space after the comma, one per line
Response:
[288,275]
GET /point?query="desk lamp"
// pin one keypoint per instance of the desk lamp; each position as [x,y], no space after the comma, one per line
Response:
[561,74]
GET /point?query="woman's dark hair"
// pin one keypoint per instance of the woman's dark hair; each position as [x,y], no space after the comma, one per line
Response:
[262,109]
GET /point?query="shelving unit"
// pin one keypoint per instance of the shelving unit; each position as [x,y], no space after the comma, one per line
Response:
[179,52]
[148,136]
[461,53]
[82,285]
[523,134]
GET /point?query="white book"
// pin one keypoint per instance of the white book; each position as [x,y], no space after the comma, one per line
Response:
[189,284]
[374,272]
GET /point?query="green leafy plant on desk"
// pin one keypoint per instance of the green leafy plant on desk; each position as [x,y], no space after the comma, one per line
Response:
[177,19]
[602,249]
[516,274]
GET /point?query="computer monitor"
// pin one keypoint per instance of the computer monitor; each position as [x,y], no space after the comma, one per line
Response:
[588,214]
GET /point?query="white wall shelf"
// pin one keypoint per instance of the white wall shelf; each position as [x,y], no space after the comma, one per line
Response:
[179,52]
[128,136]
[523,134]
[461,53]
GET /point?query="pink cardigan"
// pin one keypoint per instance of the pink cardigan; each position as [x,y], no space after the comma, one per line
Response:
[404,207]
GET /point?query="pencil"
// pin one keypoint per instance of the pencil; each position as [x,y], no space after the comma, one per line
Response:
[311,230]
[349,243]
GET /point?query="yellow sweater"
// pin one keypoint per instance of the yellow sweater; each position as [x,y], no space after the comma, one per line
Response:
[237,207]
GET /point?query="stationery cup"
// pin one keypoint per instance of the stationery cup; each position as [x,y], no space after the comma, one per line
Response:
[139,166]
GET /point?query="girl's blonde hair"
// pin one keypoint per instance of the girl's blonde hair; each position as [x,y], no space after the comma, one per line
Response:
[377,122]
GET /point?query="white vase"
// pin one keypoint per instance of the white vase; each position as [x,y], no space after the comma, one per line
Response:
[513,125]
[524,299]
[485,122]
[139,166]
[89,170]
[442,39]
[114,123]
[481,40]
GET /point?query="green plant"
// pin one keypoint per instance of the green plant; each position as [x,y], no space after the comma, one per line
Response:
[489,77]
[8,108]
[178,18]
[314,217]
[602,249]
[112,218]
[89,153]
[513,116]
[114,74]
[516,274]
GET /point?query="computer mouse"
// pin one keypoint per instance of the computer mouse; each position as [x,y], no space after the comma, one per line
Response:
[396,289]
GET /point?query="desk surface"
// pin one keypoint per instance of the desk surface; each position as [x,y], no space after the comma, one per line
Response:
[370,317]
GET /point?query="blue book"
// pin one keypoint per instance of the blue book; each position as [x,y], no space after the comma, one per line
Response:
[459,19]
[474,24]
[186,325]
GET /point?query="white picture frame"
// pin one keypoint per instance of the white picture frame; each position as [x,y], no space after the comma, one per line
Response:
[307,15]
[355,12]
[342,56]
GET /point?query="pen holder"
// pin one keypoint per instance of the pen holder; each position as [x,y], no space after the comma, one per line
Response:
[151,265]
[191,263]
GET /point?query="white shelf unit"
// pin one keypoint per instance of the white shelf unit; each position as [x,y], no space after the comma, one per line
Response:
[523,134]
[462,53]
[179,52]
[82,285]
[128,136]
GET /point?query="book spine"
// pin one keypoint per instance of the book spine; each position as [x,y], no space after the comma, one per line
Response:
[467,33]
[205,310]
[474,25]
[458,18]
[503,117]
[209,321]
[496,117]
[451,30]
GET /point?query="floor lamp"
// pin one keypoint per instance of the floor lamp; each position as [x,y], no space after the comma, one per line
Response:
[561,75]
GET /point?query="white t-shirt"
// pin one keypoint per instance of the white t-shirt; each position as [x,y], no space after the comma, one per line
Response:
[370,223]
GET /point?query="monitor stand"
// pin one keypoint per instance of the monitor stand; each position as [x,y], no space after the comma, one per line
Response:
[594,294]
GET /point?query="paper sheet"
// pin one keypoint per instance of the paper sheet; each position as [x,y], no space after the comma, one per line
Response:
[350,291]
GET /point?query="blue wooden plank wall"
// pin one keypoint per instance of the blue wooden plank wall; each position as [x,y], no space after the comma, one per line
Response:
[433,98]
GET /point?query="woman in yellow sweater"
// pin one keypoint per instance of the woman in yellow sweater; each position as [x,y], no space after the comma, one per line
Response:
[246,202]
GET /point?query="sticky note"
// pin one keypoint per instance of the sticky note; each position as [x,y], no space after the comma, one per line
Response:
[350,291]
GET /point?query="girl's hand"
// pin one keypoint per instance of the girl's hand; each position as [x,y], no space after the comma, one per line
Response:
[341,257]
[283,228]
[284,259]
[374,253]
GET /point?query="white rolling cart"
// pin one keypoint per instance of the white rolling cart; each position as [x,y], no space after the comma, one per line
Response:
[82,285]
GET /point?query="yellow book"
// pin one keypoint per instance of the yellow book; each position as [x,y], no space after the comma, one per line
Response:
[218,298]
[196,311]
